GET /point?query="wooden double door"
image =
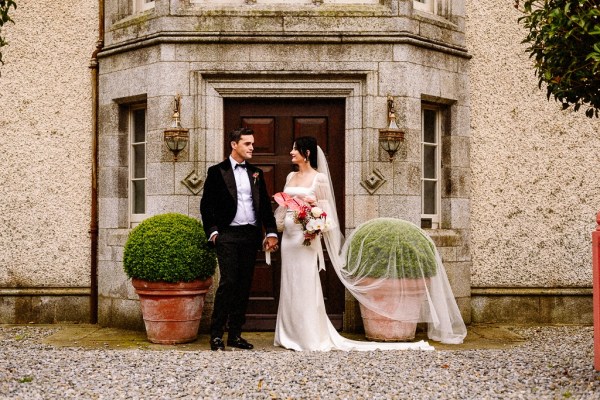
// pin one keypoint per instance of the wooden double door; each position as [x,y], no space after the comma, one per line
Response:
[276,124]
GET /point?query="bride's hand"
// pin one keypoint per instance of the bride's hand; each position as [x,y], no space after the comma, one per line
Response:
[307,198]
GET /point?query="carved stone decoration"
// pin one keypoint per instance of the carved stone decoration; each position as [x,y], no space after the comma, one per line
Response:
[374,181]
[317,2]
[193,182]
[250,2]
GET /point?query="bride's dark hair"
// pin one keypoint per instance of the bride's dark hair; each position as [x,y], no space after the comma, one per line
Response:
[307,146]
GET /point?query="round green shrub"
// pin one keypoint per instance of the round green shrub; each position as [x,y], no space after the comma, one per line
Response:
[170,248]
[389,241]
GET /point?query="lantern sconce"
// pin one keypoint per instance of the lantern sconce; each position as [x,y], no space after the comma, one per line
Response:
[176,137]
[391,137]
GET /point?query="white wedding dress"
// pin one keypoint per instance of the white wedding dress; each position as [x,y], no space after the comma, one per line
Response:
[302,322]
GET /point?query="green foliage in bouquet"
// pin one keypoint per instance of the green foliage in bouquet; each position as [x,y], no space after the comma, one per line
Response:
[388,243]
[169,248]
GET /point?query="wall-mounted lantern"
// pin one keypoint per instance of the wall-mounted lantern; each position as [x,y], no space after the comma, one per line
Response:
[176,137]
[391,137]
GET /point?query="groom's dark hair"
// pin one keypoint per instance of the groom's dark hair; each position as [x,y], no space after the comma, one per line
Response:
[236,135]
[307,146]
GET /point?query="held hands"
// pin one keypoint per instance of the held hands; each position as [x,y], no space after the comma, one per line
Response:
[270,244]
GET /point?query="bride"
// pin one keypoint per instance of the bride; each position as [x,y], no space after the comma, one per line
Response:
[302,322]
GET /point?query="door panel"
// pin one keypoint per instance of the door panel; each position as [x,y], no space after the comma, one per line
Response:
[316,127]
[269,175]
[264,134]
[276,122]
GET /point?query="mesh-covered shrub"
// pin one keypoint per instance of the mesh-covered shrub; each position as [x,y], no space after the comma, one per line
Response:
[170,248]
[390,248]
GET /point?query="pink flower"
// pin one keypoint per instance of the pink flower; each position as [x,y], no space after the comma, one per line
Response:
[284,200]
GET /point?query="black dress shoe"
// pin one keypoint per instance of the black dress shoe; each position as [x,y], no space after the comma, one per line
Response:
[239,343]
[216,343]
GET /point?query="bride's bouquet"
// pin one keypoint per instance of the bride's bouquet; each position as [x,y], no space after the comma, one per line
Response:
[306,213]
[313,220]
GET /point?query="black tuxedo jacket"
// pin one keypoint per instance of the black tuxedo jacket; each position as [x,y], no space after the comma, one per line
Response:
[219,200]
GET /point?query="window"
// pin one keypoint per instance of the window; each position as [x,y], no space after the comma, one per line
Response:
[424,5]
[137,163]
[143,5]
[430,167]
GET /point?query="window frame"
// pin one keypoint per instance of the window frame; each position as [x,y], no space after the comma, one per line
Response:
[435,218]
[136,218]
[141,5]
[427,6]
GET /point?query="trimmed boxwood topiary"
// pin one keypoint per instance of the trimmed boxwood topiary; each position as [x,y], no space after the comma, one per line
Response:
[170,248]
[372,245]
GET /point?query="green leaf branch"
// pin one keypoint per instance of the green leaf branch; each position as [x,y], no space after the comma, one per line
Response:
[564,42]
[5,6]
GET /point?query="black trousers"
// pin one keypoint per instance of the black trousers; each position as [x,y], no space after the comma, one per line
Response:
[236,252]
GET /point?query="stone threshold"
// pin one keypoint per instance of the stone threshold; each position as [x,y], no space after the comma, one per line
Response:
[479,336]
[46,291]
[531,291]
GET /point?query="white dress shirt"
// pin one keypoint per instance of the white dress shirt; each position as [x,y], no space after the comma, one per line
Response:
[245,209]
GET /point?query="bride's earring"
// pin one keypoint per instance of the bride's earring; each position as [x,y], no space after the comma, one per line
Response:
[306,160]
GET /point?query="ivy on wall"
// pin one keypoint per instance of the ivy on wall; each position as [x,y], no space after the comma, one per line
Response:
[564,42]
[5,6]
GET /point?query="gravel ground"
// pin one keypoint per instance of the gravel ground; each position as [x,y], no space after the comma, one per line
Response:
[553,363]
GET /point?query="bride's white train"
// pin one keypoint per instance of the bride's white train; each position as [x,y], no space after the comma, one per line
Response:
[302,322]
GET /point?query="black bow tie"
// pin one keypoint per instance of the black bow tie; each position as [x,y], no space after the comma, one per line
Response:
[240,165]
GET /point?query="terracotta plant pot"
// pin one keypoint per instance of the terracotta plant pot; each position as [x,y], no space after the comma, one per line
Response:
[381,328]
[172,311]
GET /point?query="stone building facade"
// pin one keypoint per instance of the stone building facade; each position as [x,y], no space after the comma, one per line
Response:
[45,158]
[497,176]
[357,53]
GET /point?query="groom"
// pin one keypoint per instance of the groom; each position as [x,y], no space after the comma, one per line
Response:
[235,206]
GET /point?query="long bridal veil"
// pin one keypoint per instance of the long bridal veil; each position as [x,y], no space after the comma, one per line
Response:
[385,261]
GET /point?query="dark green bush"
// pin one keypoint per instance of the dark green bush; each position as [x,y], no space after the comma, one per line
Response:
[391,243]
[170,248]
